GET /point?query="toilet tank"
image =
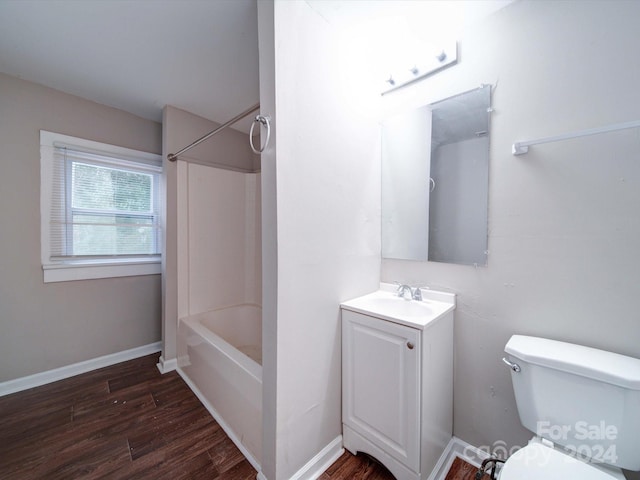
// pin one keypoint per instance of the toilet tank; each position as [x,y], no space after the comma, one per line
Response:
[585,399]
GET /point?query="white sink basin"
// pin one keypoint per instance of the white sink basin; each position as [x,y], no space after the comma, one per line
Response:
[386,304]
[395,305]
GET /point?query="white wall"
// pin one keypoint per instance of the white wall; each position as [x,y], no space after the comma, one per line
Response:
[45,326]
[564,222]
[321,181]
[266,49]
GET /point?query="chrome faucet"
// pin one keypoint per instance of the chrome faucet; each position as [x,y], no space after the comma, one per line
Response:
[402,289]
[414,293]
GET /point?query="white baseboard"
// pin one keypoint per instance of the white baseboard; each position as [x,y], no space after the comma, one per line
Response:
[444,463]
[166,366]
[457,448]
[318,464]
[50,376]
[323,460]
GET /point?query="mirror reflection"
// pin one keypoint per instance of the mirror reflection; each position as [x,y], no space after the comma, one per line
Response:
[435,173]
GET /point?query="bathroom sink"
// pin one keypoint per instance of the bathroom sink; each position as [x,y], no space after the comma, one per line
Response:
[386,304]
[394,305]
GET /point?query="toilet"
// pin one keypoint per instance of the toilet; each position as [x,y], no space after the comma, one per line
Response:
[582,403]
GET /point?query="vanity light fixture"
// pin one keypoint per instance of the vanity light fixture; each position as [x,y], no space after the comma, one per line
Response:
[443,58]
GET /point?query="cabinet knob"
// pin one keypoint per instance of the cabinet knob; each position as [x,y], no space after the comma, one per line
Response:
[410,345]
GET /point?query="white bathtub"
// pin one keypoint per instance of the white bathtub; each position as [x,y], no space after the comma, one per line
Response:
[220,356]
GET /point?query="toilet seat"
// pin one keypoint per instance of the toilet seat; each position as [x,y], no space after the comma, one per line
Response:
[537,461]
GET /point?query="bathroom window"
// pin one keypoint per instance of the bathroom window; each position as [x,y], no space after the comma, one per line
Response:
[100,209]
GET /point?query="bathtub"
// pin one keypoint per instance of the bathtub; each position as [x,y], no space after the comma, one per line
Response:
[220,358]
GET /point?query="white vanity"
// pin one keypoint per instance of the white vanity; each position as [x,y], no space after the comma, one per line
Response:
[397,379]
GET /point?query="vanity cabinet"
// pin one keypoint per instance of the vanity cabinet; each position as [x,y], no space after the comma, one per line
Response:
[397,382]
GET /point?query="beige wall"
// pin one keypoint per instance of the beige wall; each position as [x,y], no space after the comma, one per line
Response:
[48,326]
[564,222]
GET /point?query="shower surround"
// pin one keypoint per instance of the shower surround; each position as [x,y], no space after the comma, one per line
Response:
[219,338]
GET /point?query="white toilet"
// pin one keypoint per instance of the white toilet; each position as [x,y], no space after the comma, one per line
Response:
[584,406]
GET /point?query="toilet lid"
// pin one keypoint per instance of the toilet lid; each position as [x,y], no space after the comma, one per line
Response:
[537,461]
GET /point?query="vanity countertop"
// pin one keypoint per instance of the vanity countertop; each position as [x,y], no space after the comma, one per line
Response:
[385,303]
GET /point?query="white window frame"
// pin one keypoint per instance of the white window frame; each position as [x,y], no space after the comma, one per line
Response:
[68,269]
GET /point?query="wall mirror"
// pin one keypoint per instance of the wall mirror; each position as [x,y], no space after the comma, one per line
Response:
[435,179]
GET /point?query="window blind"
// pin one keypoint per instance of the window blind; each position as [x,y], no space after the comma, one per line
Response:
[103,207]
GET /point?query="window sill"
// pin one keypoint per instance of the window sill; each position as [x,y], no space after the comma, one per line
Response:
[85,270]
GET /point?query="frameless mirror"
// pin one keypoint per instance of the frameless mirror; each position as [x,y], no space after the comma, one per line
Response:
[435,178]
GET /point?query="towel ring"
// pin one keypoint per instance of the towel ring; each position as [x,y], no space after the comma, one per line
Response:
[262,120]
[433,184]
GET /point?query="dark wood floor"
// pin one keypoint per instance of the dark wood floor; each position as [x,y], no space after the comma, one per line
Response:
[461,470]
[362,467]
[121,422]
[129,422]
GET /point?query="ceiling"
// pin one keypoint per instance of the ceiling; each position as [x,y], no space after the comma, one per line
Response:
[138,55]
[197,55]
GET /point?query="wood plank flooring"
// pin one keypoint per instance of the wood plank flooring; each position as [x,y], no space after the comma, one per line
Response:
[129,422]
[461,470]
[121,422]
[363,467]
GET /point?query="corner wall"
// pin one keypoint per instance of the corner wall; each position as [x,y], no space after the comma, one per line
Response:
[46,326]
[564,227]
[321,181]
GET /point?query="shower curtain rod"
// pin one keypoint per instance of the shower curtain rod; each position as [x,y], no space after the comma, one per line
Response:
[172,157]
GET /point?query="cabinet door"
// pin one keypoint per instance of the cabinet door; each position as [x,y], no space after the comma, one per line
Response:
[381,384]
